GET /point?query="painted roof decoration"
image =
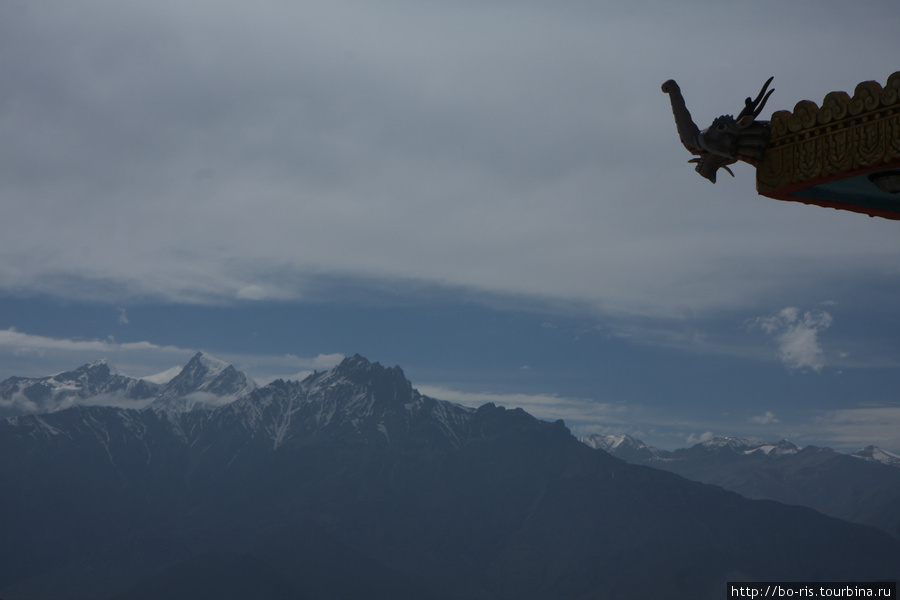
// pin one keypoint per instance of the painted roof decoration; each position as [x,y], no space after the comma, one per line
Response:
[844,154]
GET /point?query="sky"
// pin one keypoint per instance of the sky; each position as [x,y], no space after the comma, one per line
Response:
[491,195]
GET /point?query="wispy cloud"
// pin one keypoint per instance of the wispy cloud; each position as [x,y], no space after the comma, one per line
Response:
[30,355]
[693,438]
[308,161]
[766,418]
[797,336]
[853,428]
[289,366]
[19,343]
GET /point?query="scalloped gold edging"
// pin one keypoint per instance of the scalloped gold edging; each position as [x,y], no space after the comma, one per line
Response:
[846,135]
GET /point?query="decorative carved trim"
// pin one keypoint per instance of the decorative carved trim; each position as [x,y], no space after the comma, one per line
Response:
[846,136]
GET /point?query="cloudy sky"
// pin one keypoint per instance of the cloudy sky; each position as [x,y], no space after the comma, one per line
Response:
[490,194]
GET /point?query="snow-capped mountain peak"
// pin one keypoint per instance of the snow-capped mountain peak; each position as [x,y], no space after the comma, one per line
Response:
[204,374]
[732,443]
[778,449]
[163,377]
[204,381]
[357,401]
[624,446]
[611,442]
[874,453]
[96,382]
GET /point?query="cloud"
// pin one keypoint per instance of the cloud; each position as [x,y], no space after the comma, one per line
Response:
[24,343]
[694,439]
[850,429]
[766,418]
[797,336]
[29,355]
[475,145]
[854,428]
[252,292]
[327,361]
[118,401]
[267,368]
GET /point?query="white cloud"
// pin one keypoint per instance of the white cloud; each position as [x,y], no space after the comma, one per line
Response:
[17,342]
[797,336]
[766,418]
[252,292]
[28,355]
[493,163]
[118,401]
[327,361]
[266,368]
[694,439]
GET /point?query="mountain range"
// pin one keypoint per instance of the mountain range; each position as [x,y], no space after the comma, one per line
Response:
[204,380]
[350,483]
[863,487]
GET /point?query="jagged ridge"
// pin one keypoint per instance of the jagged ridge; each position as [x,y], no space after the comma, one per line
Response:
[351,483]
[863,487]
[202,381]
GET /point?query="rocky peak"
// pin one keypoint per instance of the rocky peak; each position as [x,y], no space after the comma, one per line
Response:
[876,454]
[383,384]
[204,373]
[611,442]
[22,395]
[358,369]
[735,444]
[91,375]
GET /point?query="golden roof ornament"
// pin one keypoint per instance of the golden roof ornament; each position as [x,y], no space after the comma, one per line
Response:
[844,154]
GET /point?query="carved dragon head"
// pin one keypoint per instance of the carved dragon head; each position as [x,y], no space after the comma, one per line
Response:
[728,139]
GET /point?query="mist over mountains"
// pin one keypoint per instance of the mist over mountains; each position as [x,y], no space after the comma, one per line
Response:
[351,483]
[203,380]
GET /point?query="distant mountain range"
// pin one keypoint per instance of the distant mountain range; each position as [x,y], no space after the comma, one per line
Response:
[351,484]
[204,380]
[863,487]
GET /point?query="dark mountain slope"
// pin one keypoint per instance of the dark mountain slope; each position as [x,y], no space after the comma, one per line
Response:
[845,486]
[351,483]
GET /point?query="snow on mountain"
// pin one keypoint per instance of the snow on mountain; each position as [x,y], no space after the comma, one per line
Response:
[745,446]
[357,400]
[204,381]
[608,442]
[625,447]
[204,373]
[631,449]
[352,475]
[732,443]
[163,377]
[876,454]
[857,487]
[94,383]
[357,403]
[612,442]
[779,449]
